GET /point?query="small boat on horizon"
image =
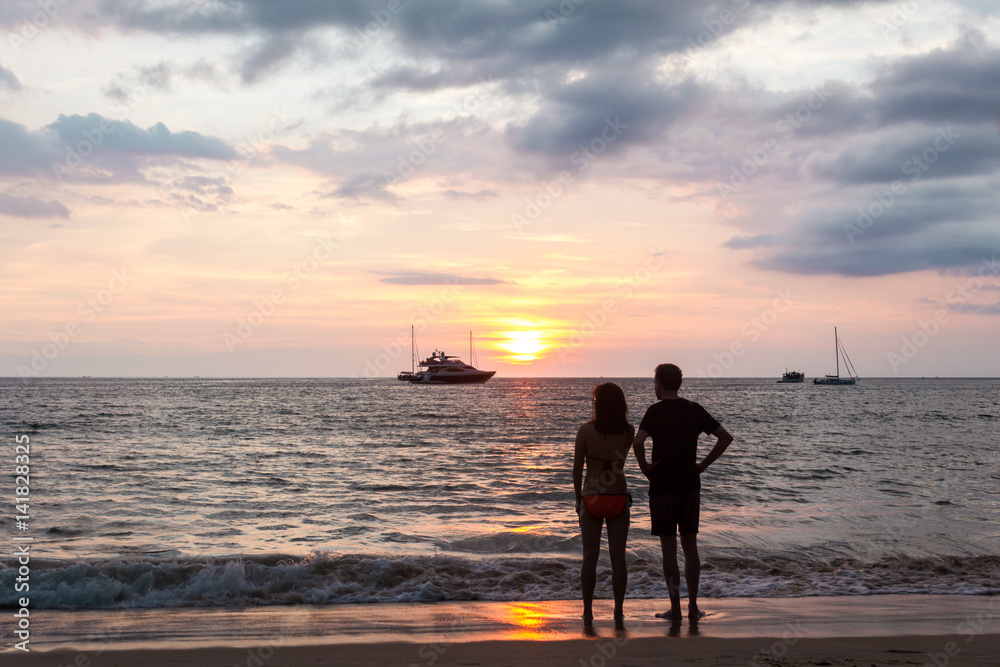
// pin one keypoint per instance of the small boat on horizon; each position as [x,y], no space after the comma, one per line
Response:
[441,368]
[836,379]
[792,377]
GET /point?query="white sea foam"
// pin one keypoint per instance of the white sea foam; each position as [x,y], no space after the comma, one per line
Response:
[324,578]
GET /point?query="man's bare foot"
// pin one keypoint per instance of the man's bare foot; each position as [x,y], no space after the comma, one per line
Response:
[695,614]
[674,616]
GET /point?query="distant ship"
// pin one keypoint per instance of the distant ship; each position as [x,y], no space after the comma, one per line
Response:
[792,376]
[440,368]
[838,349]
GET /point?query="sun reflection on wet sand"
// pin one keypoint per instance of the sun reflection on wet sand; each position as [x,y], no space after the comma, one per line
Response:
[531,620]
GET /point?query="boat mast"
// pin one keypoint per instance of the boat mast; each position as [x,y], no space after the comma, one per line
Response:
[413,352]
[836,349]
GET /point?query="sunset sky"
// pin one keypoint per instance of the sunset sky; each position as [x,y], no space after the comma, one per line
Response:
[251,188]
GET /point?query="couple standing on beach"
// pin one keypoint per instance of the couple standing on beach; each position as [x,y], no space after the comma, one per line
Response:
[603,443]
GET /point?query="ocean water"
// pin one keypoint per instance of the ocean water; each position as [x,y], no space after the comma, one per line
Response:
[155,493]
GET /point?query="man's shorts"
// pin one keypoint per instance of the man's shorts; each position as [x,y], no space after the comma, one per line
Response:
[669,512]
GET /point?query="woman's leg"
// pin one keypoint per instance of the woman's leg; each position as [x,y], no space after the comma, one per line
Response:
[590,532]
[617,539]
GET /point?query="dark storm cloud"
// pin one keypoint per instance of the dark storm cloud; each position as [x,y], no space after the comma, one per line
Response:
[31,207]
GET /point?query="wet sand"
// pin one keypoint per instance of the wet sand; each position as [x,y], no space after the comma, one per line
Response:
[880,630]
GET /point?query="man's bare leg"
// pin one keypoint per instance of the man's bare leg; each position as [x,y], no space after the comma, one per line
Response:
[692,573]
[672,575]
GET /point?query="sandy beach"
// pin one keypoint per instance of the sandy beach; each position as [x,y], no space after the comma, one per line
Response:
[871,630]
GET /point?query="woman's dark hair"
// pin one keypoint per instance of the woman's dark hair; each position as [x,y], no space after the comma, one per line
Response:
[610,409]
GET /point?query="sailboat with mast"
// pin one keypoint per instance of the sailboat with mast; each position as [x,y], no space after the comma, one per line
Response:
[441,368]
[838,349]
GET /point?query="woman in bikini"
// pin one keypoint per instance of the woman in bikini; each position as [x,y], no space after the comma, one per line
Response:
[603,443]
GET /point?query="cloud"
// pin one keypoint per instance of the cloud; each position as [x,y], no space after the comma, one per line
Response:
[25,153]
[480,195]
[367,163]
[267,56]
[925,252]
[468,40]
[364,186]
[604,114]
[121,136]
[756,241]
[929,226]
[976,308]
[419,278]
[8,80]
[956,84]
[895,175]
[31,207]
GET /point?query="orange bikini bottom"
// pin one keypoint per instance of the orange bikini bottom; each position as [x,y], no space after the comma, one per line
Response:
[607,506]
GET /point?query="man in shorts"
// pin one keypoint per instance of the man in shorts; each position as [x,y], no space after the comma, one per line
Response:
[674,475]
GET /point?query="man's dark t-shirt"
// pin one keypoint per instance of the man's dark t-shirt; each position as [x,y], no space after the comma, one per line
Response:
[675,424]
